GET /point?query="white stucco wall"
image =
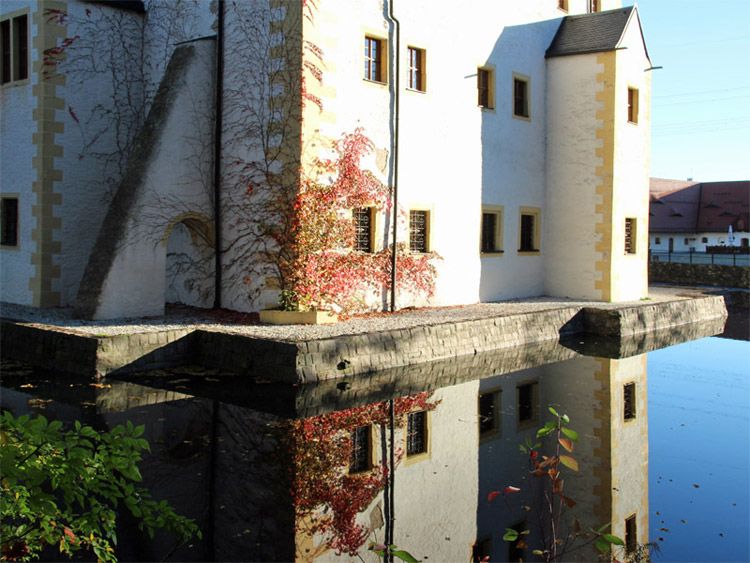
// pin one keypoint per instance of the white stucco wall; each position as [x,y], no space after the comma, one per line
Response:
[685,242]
[16,171]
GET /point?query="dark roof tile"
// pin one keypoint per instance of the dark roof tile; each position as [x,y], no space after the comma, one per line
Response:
[590,33]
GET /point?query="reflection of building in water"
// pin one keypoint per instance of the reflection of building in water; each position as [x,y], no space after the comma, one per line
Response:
[606,401]
[267,486]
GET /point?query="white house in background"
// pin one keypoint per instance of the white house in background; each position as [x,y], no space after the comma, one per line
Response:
[523,152]
[693,216]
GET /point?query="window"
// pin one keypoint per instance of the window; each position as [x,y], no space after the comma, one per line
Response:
[630,234]
[629,401]
[375,59]
[686,241]
[418,230]
[704,240]
[489,410]
[527,402]
[529,230]
[14,49]
[520,97]
[485,88]
[361,457]
[9,218]
[363,229]
[416,433]
[562,5]
[632,105]
[631,534]
[657,240]
[492,231]
[417,69]
[594,6]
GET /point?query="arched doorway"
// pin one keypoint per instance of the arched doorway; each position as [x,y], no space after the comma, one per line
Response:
[189,267]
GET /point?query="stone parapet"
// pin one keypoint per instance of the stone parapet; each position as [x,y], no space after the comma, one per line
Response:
[700,274]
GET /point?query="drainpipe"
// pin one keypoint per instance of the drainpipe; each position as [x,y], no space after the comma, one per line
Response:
[219,99]
[394,123]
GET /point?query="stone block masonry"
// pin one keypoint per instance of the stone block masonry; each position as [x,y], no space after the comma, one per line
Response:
[700,274]
[314,360]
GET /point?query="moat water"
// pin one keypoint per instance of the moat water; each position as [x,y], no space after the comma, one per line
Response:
[277,473]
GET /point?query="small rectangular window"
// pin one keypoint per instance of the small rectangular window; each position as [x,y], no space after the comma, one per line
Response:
[527,402]
[704,240]
[630,234]
[416,433]
[632,105]
[363,229]
[489,410]
[492,231]
[418,230]
[9,218]
[361,456]
[417,69]
[594,6]
[485,88]
[520,97]
[629,401]
[562,5]
[686,241]
[657,240]
[375,59]
[631,534]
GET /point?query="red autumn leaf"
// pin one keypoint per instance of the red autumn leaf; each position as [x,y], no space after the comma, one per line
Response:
[493,495]
[71,536]
[510,490]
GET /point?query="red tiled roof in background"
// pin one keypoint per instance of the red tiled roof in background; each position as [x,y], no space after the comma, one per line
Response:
[690,207]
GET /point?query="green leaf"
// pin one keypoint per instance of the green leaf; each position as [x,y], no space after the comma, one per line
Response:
[404,556]
[572,434]
[569,462]
[565,418]
[602,546]
[537,552]
[510,534]
[613,539]
[553,412]
[546,429]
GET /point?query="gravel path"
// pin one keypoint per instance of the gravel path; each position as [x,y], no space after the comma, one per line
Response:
[186,318]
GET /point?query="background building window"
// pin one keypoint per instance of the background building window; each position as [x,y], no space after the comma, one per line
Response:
[374,59]
[417,69]
[363,231]
[416,433]
[14,49]
[9,218]
[485,88]
[657,240]
[629,401]
[527,402]
[529,230]
[704,240]
[492,229]
[632,105]
[489,410]
[630,234]
[418,230]
[520,97]
[361,457]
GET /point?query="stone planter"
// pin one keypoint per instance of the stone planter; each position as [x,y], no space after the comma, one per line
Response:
[278,317]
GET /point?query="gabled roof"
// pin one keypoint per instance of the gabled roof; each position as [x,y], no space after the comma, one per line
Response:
[591,33]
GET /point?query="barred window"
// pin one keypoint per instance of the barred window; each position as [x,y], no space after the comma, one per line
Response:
[488,409]
[527,402]
[9,221]
[632,105]
[527,233]
[630,235]
[416,433]
[629,401]
[374,59]
[631,534]
[361,456]
[363,231]
[416,69]
[418,230]
[491,232]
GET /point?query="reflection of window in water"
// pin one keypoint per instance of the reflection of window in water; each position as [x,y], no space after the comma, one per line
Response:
[481,550]
[361,450]
[629,400]
[416,433]
[516,553]
[489,406]
[527,398]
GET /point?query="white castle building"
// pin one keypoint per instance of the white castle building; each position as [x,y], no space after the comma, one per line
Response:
[516,134]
